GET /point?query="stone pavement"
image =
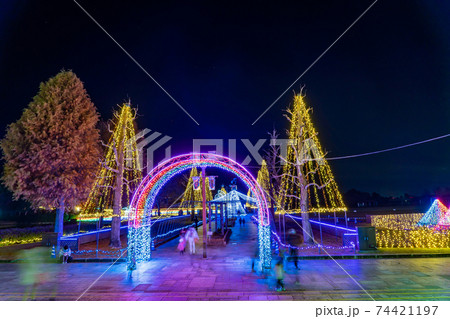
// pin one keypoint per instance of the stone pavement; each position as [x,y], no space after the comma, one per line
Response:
[226,275]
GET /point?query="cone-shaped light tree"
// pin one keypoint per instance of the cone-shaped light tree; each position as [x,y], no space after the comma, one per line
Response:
[51,152]
[188,197]
[249,194]
[118,175]
[193,198]
[434,214]
[307,183]
[263,179]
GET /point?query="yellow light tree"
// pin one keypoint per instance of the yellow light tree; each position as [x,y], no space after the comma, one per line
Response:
[307,183]
[193,198]
[208,193]
[249,194]
[263,179]
[118,175]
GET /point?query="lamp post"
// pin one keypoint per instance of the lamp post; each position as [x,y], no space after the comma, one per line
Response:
[204,211]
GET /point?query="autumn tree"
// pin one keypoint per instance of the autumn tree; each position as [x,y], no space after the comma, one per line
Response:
[51,152]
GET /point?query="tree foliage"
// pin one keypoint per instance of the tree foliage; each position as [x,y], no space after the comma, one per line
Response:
[52,151]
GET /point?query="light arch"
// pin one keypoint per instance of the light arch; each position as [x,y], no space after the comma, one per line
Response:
[139,213]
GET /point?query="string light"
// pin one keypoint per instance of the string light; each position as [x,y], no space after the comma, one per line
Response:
[444,222]
[324,197]
[420,237]
[139,232]
[396,221]
[20,240]
[413,230]
[435,213]
[101,197]
[193,198]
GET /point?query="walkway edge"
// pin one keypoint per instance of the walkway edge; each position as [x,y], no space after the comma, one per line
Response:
[390,256]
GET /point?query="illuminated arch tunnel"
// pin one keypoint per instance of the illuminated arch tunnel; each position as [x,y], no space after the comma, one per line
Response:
[139,214]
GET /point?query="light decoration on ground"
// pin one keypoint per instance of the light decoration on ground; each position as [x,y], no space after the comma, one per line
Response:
[193,198]
[413,230]
[139,229]
[305,154]
[444,221]
[420,237]
[101,197]
[434,214]
[396,221]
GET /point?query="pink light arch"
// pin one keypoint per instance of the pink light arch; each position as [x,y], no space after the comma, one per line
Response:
[144,196]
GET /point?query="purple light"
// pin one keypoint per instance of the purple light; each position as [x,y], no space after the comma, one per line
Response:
[325,224]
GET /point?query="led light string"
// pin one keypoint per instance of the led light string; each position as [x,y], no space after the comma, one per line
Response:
[123,140]
[160,180]
[325,198]
[144,197]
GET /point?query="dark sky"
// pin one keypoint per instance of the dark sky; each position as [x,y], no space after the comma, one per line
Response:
[385,83]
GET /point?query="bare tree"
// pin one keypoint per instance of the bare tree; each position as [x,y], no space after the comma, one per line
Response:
[119,173]
[273,162]
[301,165]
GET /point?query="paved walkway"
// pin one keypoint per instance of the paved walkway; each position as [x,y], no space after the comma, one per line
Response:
[226,275]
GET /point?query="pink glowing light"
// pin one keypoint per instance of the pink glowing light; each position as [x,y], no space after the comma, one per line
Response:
[151,184]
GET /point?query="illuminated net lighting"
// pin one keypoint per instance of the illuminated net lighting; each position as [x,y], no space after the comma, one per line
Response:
[307,151]
[139,234]
[420,237]
[444,221]
[434,214]
[414,230]
[396,221]
[123,143]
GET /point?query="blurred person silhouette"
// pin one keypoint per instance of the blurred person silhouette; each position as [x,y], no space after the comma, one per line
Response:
[279,274]
[191,237]
[34,269]
[196,222]
[182,243]
[294,242]
[131,266]
[255,258]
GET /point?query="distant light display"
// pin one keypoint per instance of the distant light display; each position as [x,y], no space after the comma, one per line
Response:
[429,230]
[434,214]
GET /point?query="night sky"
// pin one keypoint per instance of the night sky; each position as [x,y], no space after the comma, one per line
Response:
[385,83]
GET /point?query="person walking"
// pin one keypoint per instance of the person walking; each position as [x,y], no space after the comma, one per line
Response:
[255,259]
[294,242]
[196,222]
[182,244]
[240,221]
[243,221]
[279,275]
[191,237]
